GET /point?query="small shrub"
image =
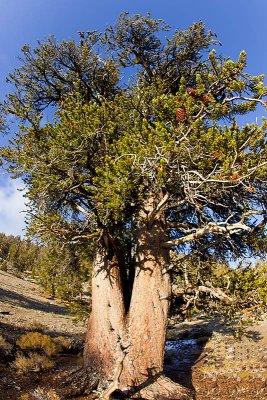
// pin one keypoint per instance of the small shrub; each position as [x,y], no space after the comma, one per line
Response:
[3,266]
[39,341]
[33,363]
[80,311]
[25,396]
[5,348]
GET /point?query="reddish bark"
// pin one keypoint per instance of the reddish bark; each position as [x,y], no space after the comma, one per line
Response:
[125,345]
[106,326]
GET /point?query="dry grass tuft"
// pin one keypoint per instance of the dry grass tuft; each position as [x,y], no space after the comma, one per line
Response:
[33,363]
[39,341]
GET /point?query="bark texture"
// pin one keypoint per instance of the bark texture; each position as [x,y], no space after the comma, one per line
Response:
[125,344]
[106,327]
[147,317]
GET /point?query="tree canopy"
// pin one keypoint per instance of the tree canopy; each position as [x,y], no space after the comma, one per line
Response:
[169,128]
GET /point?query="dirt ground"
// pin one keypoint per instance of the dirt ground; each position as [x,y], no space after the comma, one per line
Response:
[23,302]
[200,354]
[215,365]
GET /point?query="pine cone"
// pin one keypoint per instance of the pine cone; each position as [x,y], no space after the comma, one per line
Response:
[206,99]
[180,114]
[192,92]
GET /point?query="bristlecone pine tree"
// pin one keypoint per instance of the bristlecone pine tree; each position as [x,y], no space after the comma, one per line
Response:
[116,166]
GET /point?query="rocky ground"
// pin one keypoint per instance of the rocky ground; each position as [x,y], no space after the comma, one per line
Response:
[23,303]
[207,358]
[200,354]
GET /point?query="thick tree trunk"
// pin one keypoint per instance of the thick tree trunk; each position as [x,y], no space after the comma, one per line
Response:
[147,316]
[124,347]
[106,327]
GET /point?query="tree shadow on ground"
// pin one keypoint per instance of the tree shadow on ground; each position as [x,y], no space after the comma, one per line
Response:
[12,333]
[9,297]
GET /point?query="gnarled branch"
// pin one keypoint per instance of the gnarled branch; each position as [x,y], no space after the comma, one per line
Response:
[221,228]
[216,293]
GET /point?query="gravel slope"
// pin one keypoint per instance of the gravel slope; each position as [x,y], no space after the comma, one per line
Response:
[23,303]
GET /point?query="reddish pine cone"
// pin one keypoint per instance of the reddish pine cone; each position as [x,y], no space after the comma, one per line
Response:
[180,114]
[191,92]
[206,99]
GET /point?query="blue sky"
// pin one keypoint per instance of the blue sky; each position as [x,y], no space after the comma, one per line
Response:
[239,24]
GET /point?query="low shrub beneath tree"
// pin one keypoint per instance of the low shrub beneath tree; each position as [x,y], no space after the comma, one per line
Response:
[34,362]
[64,343]
[39,341]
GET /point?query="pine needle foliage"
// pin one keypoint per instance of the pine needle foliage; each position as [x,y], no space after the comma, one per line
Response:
[112,141]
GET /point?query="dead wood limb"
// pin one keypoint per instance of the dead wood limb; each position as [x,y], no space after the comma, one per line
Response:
[216,293]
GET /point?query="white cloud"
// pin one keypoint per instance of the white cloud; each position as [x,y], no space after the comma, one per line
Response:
[12,205]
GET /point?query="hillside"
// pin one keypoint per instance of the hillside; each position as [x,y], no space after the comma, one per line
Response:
[25,307]
[202,354]
[23,302]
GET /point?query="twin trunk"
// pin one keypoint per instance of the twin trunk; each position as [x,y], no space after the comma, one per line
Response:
[125,342]
[130,340]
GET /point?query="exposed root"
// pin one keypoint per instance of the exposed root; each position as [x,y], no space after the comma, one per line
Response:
[159,387]
[162,388]
[79,382]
